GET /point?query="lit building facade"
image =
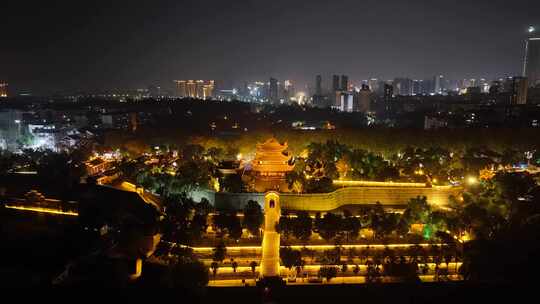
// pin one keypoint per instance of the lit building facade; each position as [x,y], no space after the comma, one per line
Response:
[344,101]
[3,89]
[364,100]
[531,64]
[270,160]
[195,88]
[438,84]
[518,91]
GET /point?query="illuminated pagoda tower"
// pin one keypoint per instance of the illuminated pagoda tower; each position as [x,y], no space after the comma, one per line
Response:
[270,165]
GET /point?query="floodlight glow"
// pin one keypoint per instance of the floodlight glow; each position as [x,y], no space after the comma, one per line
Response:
[531,29]
[471,180]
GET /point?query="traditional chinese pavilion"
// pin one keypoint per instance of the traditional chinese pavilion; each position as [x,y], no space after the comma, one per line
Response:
[271,160]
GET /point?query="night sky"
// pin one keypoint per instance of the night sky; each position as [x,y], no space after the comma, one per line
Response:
[65,46]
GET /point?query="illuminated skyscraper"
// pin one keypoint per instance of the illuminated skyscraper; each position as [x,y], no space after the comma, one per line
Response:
[531,64]
[3,89]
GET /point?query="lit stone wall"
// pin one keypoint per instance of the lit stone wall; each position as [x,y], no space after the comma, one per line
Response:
[438,196]
[390,196]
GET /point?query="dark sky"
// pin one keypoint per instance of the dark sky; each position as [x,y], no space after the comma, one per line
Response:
[60,45]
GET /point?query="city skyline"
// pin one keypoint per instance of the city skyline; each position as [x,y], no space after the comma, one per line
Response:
[117,46]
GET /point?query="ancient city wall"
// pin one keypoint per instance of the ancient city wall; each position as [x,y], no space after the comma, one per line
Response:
[438,196]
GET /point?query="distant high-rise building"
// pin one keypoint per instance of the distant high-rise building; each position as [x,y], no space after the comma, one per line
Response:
[154,91]
[344,101]
[531,64]
[364,99]
[288,90]
[3,89]
[318,85]
[344,83]
[438,84]
[273,91]
[496,87]
[518,92]
[484,85]
[191,89]
[388,92]
[373,84]
[208,90]
[181,90]
[335,83]
[403,86]
[199,88]
[417,87]
[194,89]
[427,86]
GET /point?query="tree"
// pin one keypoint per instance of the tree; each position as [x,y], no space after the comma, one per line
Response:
[296,181]
[219,252]
[253,217]
[285,226]
[350,225]
[214,266]
[328,272]
[192,275]
[328,226]
[302,226]
[253,266]
[356,269]
[321,185]
[233,183]
[344,268]
[58,168]
[234,265]
[417,211]
[290,257]
[228,221]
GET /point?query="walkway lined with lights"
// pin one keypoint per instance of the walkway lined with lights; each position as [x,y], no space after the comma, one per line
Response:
[43,210]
